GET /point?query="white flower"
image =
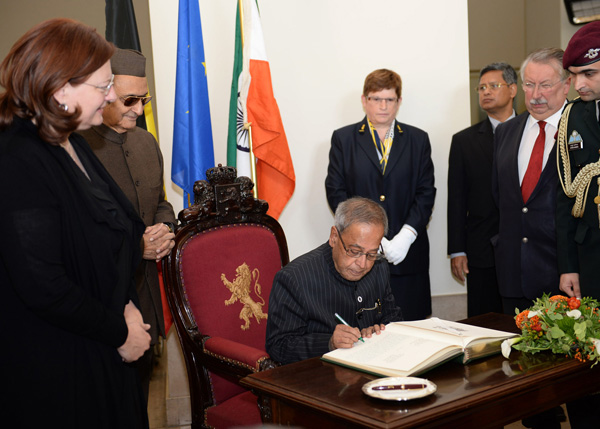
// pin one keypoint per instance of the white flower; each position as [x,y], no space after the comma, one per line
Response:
[532,314]
[575,314]
[596,342]
[507,346]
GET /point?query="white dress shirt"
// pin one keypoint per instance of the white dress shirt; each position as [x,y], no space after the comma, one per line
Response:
[530,134]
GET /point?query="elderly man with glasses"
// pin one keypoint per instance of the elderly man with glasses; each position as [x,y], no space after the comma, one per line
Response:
[132,157]
[337,293]
[524,183]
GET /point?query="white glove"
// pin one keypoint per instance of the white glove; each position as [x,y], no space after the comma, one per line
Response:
[396,249]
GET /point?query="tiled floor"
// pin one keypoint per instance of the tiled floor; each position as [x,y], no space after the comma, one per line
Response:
[157,412]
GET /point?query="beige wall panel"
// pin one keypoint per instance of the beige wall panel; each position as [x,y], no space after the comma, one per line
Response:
[496,32]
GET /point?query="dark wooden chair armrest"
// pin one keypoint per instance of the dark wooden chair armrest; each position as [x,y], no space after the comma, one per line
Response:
[238,355]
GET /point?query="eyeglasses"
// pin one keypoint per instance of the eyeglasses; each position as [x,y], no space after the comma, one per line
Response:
[378,100]
[105,89]
[544,87]
[354,253]
[132,100]
[494,86]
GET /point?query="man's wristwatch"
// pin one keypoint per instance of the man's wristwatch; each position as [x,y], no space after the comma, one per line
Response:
[170,226]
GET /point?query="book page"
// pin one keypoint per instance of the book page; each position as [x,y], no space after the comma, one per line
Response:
[390,350]
[451,332]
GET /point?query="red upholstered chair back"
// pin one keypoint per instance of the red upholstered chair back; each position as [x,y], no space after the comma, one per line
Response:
[227,273]
[218,278]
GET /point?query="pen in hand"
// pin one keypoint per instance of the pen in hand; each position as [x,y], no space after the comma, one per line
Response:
[338,317]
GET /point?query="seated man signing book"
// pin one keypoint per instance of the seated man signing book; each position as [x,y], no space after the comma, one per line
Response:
[347,275]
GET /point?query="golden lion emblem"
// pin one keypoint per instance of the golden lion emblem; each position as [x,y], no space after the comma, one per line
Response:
[240,290]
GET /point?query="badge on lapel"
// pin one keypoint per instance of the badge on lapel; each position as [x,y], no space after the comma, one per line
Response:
[362,129]
[575,141]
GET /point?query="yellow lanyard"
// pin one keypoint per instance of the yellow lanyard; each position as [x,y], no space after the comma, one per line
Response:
[385,146]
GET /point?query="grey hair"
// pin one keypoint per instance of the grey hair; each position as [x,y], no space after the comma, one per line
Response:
[551,56]
[360,210]
[508,72]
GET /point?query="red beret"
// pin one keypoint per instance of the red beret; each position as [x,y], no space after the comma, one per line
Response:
[584,46]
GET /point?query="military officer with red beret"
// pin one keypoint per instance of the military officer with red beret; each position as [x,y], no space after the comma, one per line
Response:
[578,151]
[578,199]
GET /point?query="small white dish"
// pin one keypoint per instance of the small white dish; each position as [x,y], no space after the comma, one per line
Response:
[397,388]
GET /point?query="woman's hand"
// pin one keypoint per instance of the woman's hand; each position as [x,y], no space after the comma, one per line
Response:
[138,339]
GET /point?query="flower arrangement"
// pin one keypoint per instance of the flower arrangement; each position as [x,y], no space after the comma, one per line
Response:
[567,326]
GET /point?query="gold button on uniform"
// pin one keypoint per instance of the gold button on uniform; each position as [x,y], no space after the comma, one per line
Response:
[382,198]
[597,200]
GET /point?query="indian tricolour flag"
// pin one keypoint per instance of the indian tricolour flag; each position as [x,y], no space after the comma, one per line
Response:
[253,103]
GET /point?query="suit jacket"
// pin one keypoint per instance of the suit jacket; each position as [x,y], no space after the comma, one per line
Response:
[472,213]
[525,247]
[135,162]
[308,291]
[406,191]
[579,238]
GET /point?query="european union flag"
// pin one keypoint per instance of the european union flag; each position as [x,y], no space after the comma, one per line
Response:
[193,150]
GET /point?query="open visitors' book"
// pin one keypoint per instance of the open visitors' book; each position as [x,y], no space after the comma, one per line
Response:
[410,348]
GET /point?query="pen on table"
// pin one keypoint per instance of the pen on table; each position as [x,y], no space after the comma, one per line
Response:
[400,387]
[345,323]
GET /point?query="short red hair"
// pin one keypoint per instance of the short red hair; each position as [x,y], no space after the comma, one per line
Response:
[381,79]
[41,62]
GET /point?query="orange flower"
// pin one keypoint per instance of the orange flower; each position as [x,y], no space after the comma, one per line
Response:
[521,317]
[559,298]
[534,323]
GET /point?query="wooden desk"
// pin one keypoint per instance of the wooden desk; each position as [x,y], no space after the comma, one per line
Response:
[490,392]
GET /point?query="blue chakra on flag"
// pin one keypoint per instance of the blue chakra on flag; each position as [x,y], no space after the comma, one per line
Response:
[242,130]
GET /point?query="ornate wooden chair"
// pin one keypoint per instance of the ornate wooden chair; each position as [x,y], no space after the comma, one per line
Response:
[218,278]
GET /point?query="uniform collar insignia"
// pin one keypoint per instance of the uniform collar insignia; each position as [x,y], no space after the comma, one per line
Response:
[362,129]
[399,129]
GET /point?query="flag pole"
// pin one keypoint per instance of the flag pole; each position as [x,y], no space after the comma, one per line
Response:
[248,125]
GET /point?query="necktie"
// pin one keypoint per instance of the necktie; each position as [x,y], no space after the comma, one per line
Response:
[534,168]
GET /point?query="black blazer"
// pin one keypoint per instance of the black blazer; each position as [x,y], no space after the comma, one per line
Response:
[525,247]
[406,191]
[472,213]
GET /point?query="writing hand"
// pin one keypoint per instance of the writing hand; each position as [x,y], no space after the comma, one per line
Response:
[344,337]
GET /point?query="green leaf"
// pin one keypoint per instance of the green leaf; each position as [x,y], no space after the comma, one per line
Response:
[556,332]
[580,330]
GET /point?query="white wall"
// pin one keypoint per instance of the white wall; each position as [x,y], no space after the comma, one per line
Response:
[320,52]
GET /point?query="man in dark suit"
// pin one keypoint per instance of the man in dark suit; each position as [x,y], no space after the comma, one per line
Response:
[389,162]
[132,157]
[524,185]
[472,213]
[345,276]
